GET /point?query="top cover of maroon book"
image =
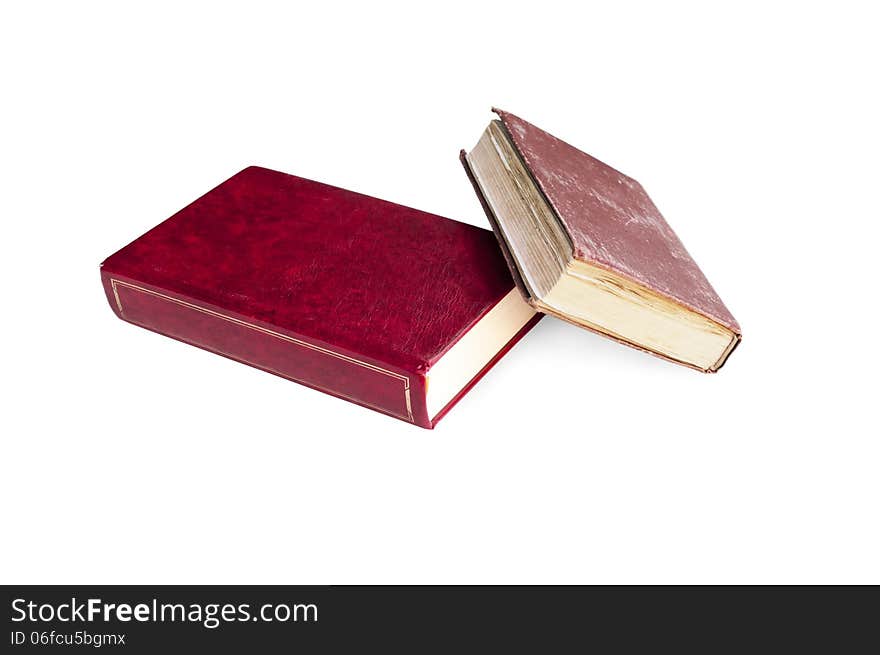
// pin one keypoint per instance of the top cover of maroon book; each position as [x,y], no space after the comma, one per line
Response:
[392,308]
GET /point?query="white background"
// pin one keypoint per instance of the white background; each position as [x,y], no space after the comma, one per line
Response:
[130,458]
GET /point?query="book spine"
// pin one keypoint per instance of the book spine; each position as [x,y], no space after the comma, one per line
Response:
[320,366]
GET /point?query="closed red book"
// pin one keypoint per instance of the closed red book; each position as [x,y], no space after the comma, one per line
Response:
[389,307]
[587,244]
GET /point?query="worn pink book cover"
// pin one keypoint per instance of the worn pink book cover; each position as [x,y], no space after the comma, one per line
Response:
[611,223]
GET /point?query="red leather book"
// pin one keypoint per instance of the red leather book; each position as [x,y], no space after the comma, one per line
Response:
[606,258]
[389,307]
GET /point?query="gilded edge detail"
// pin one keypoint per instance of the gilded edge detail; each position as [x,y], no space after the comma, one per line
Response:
[115,284]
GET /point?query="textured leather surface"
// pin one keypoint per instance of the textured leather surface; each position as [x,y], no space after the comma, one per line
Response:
[300,278]
[612,222]
[511,264]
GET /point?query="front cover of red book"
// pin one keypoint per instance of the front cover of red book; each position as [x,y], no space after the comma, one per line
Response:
[389,307]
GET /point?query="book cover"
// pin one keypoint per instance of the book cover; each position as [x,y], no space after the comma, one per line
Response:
[611,224]
[351,295]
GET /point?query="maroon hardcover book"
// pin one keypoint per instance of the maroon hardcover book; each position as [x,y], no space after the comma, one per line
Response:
[614,236]
[389,307]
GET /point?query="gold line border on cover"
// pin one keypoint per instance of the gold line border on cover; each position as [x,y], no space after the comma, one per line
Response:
[115,284]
